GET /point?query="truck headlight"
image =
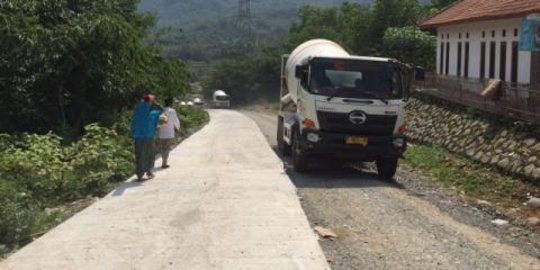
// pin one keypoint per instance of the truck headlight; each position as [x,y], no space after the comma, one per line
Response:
[313,137]
[399,142]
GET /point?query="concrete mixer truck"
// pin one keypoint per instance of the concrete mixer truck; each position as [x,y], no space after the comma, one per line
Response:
[346,107]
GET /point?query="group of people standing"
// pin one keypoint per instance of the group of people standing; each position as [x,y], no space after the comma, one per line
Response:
[150,120]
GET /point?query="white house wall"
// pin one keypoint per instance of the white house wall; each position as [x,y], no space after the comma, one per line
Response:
[475,38]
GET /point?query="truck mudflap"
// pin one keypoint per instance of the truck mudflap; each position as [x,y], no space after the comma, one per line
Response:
[352,147]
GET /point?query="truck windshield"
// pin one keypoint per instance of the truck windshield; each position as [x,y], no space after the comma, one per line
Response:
[355,79]
[222,98]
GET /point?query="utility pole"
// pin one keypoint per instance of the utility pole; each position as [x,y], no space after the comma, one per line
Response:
[244,14]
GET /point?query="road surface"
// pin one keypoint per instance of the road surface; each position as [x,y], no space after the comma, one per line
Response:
[385,226]
[225,203]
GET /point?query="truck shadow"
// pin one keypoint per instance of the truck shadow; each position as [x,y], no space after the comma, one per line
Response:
[326,173]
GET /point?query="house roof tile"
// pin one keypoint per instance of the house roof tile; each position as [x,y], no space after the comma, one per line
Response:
[479,10]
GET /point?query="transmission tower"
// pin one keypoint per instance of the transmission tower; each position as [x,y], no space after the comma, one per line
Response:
[244,13]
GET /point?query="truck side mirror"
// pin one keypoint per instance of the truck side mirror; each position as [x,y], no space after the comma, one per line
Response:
[300,71]
[420,74]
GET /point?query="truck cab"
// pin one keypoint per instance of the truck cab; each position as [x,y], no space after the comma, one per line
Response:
[347,107]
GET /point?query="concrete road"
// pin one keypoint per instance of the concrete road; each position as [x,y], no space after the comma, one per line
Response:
[384,225]
[225,203]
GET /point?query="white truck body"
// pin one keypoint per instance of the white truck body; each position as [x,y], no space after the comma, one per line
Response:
[221,99]
[198,101]
[336,104]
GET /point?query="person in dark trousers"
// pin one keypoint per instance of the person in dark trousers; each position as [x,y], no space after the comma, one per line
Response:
[143,130]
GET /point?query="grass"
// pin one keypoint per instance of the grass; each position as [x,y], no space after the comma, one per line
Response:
[466,177]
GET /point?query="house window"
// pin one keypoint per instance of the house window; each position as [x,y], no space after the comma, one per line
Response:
[459,59]
[482,60]
[467,35]
[483,34]
[447,58]
[516,32]
[492,47]
[502,62]
[441,64]
[447,36]
[466,67]
[493,33]
[504,33]
[515,62]
[459,35]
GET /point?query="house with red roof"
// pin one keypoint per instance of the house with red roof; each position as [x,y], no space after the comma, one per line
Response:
[489,39]
[488,56]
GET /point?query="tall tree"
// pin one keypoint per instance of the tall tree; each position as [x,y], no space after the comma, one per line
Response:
[65,64]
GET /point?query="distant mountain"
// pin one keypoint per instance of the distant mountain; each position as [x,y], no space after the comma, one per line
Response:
[187,13]
[209,28]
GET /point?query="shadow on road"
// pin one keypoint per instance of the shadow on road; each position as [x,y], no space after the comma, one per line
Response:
[326,173]
[120,190]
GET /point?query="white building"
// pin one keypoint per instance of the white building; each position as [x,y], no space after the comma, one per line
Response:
[483,39]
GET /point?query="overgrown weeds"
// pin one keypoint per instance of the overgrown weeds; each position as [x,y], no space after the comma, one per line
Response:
[468,177]
[43,181]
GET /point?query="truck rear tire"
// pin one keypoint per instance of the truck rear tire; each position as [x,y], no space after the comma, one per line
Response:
[283,147]
[300,160]
[387,167]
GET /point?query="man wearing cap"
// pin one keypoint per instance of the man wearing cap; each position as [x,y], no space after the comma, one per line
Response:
[143,130]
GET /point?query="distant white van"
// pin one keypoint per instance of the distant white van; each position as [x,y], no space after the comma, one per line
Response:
[221,99]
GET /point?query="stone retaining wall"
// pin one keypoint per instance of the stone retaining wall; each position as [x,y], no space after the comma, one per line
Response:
[510,145]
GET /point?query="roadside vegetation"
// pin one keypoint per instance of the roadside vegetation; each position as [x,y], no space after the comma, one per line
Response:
[472,180]
[72,73]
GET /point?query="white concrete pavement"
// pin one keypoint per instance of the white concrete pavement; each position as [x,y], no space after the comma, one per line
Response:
[225,203]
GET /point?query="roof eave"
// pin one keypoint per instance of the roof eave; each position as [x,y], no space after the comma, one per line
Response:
[426,26]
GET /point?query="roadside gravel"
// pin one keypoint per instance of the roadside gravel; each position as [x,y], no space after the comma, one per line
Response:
[409,224]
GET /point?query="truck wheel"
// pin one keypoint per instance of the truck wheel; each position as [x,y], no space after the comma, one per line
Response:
[387,167]
[300,161]
[283,147]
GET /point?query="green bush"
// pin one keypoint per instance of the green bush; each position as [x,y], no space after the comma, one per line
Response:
[99,159]
[191,118]
[39,172]
[16,215]
[37,164]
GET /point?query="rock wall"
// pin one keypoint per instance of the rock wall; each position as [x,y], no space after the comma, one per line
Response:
[510,145]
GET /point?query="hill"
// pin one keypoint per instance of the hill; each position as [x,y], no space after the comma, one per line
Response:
[189,13]
[210,30]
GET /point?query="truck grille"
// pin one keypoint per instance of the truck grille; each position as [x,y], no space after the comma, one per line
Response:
[375,125]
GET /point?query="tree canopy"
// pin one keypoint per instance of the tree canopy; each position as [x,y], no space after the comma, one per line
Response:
[65,64]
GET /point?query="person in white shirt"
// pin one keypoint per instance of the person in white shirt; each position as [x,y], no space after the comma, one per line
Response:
[167,131]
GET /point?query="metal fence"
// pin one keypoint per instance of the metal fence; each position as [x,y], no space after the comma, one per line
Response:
[512,100]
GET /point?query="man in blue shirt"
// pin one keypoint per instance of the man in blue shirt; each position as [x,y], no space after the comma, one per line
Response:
[143,130]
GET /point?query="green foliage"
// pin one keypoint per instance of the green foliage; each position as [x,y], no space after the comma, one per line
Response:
[65,64]
[462,174]
[440,4]
[383,29]
[51,172]
[211,30]
[249,78]
[99,159]
[410,46]
[16,215]
[38,173]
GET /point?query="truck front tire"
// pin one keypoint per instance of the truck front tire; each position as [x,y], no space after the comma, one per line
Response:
[387,167]
[300,161]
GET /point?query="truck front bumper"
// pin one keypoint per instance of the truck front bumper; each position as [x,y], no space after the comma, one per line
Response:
[336,146]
